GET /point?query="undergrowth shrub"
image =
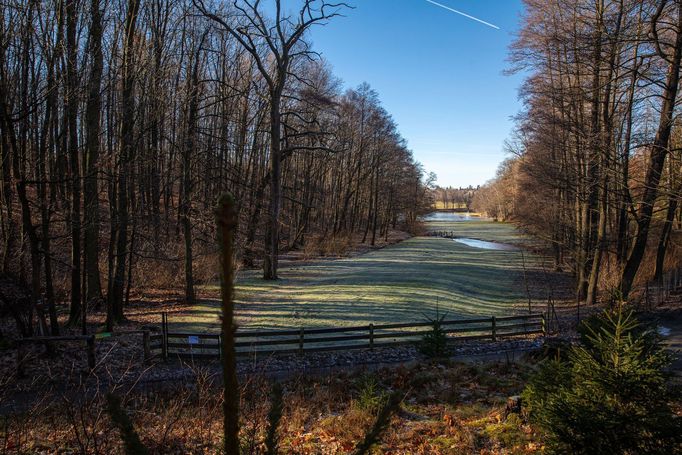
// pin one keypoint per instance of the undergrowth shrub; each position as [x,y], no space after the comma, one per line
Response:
[339,245]
[371,397]
[610,396]
[434,343]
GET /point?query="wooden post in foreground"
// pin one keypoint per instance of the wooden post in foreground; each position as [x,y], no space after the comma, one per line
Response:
[226,223]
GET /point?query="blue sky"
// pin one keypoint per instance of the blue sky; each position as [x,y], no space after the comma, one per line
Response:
[438,73]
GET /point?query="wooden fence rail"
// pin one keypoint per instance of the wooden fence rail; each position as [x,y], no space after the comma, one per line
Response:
[208,345]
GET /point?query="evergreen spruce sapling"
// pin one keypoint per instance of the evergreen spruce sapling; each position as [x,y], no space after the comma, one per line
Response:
[434,343]
[611,396]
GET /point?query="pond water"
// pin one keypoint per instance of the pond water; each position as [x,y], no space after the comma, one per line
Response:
[474,243]
[452,216]
[663,331]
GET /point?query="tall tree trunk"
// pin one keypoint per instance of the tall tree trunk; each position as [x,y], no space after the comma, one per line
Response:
[93,130]
[116,294]
[188,149]
[76,310]
[272,227]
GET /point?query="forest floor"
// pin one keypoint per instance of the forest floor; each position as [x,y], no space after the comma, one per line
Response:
[447,408]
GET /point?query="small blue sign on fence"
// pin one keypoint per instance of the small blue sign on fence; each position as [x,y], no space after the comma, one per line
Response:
[193,339]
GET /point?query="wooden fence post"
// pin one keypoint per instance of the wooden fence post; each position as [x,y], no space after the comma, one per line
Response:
[371,336]
[91,352]
[145,346]
[494,327]
[300,341]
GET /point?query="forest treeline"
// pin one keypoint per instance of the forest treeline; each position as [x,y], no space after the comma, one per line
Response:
[451,198]
[596,155]
[121,122]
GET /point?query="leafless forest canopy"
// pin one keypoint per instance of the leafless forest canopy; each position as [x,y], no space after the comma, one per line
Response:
[595,166]
[122,121]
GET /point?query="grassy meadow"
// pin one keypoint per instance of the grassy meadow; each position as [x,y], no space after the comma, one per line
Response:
[406,282]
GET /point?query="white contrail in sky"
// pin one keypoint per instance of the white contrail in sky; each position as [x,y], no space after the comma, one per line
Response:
[464,14]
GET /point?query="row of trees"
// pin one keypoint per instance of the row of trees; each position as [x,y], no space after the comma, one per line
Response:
[121,121]
[453,198]
[597,168]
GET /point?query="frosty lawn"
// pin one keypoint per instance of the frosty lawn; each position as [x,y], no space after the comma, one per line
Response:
[402,283]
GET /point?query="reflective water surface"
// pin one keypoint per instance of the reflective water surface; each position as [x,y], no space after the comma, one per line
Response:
[452,216]
[486,245]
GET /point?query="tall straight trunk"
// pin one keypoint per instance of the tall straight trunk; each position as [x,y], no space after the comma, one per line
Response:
[42,164]
[623,195]
[93,130]
[605,142]
[594,163]
[8,227]
[600,246]
[272,226]
[664,241]
[188,149]
[659,152]
[675,190]
[116,295]
[76,310]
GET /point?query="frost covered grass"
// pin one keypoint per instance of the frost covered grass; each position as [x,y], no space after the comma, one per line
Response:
[480,229]
[406,282]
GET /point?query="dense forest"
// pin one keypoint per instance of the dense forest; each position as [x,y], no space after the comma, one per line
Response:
[595,167]
[121,122]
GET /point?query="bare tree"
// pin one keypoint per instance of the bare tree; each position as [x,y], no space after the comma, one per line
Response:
[275,47]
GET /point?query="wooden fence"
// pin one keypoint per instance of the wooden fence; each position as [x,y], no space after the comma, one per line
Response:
[187,345]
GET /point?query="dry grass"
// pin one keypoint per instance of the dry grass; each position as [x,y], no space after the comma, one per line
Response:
[446,409]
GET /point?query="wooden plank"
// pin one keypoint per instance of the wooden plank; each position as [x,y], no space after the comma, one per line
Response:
[408,325]
[469,329]
[399,334]
[266,342]
[266,333]
[470,337]
[518,326]
[519,317]
[364,336]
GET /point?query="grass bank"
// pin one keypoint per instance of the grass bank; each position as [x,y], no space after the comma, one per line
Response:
[404,282]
